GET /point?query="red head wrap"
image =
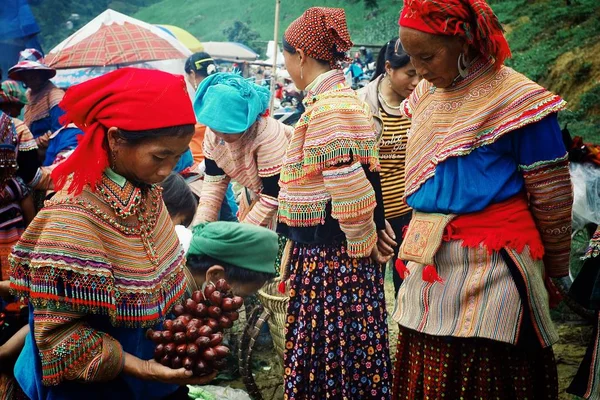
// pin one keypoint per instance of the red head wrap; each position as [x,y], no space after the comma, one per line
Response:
[131,99]
[321,32]
[473,20]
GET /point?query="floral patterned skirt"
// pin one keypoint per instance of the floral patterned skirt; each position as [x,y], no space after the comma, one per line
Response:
[436,367]
[336,332]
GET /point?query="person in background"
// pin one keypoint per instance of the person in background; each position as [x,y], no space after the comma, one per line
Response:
[198,67]
[15,215]
[243,254]
[487,176]
[394,80]
[17,92]
[336,331]
[241,143]
[42,112]
[122,246]
[586,291]
[181,205]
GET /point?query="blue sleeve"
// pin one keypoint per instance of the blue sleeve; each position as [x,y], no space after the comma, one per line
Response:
[538,142]
[186,161]
[55,113]
[229,207]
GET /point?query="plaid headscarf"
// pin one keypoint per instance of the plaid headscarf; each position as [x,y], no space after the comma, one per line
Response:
[473,20]
[322,33]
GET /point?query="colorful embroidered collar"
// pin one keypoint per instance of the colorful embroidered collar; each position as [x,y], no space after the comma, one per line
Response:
[475,112]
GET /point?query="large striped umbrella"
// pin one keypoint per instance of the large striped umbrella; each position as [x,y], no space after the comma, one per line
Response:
[113,38]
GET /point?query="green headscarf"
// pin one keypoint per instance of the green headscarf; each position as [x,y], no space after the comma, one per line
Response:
[243,245]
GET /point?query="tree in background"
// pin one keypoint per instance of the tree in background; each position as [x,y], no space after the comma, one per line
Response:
[371,4]
[242,33]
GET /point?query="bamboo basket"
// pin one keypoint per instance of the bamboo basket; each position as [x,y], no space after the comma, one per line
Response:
[276,304]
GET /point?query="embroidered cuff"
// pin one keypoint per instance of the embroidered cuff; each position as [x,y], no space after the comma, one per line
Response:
[263,211]
[213,193]
[361,237]
[551,201]
[352,195]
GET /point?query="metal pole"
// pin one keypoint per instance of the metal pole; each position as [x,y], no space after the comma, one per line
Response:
[275,41]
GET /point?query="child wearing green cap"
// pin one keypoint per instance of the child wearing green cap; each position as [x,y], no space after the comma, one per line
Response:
[243,254]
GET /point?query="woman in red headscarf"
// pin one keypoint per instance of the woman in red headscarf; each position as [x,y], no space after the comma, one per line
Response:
[101,262]
[336,333]
[488,179]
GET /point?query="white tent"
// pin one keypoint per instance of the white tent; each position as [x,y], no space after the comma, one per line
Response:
[270,56]
[229,51]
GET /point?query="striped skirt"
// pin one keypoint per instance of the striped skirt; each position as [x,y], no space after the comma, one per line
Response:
[480,332]
[336,332]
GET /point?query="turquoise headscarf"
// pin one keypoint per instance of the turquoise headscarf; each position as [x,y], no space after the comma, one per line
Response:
[227,103]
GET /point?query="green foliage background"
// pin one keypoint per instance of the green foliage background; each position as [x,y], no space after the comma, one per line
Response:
[540,33]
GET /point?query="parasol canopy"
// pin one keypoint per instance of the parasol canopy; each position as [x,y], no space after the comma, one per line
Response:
[188,40]
[113,38]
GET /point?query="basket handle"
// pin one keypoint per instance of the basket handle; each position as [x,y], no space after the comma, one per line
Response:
[257,319]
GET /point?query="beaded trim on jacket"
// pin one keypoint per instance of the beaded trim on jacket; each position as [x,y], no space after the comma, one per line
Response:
[337,127]
[84,254]
[476,112]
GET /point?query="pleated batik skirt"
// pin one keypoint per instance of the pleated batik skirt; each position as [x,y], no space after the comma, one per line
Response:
[336,331]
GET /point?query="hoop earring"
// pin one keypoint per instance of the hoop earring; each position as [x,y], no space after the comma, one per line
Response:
[462,71]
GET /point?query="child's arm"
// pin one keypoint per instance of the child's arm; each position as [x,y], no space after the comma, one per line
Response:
[28,208]
[12,348]
[4,288]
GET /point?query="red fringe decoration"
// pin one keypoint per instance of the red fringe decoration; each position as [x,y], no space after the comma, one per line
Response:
[87,163]
[281,287]
[430,275]
[403,272]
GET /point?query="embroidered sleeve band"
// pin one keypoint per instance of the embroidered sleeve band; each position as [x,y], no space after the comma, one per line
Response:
[213,193]
[263,211]
[551,200]
[353,201]
[71,350]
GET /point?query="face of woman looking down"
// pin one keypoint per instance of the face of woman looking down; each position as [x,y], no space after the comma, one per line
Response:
[434,57]
[149,161]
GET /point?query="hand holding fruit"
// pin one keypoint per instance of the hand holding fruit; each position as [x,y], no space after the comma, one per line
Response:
[193,340]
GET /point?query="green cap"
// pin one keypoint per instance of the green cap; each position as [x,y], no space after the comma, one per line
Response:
[243,245]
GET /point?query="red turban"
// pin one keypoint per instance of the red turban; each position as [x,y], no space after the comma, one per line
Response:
[322,33]
[129,98]
[473,20]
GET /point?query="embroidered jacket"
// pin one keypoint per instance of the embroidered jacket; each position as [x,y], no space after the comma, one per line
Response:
[323,164]
[253,161]
[108,258]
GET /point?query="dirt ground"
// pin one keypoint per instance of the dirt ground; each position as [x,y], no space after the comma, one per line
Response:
[569,351]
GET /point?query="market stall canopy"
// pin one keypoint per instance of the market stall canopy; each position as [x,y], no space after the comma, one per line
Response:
[269,52]
[113,38]
[188,40]
[230,51]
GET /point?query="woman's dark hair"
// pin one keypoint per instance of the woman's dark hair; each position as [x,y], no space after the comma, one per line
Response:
[178,198]
[233,273]
[200,63]
[393,52]
[136,137]
[336,54]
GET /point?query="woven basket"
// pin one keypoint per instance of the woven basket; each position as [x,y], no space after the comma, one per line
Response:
[277,304]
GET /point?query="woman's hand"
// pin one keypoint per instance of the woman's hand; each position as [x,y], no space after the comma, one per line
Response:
[153,371]
[379,258]
[179,376]
[4,288]
[386,242]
